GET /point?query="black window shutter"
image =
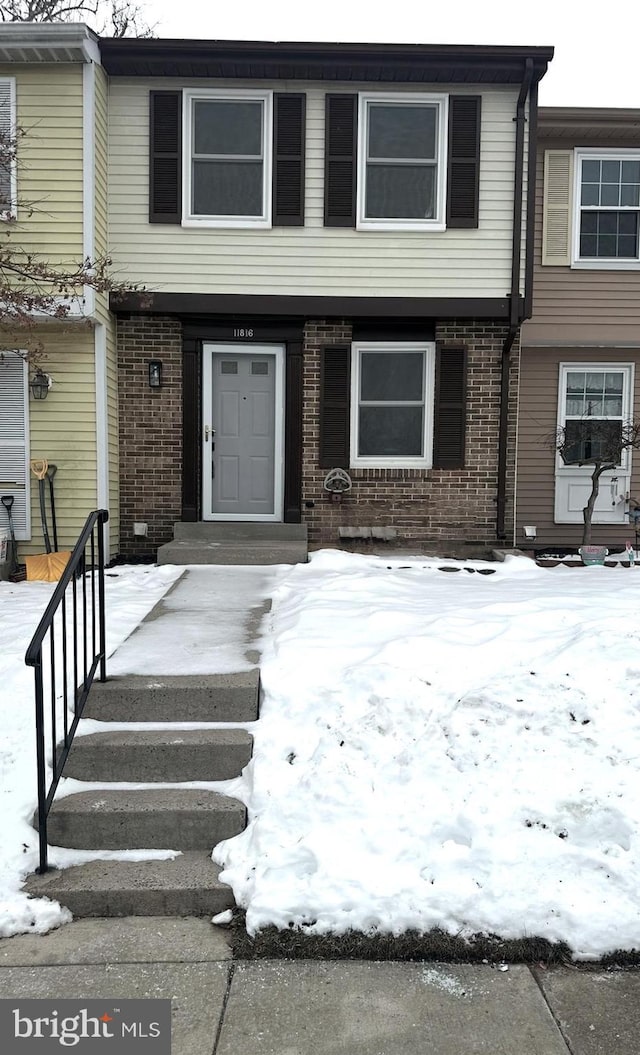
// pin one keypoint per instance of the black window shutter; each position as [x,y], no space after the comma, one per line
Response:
[334,407]
[463,168]
[340,156]
[165,157]
[288,159]
[450,407]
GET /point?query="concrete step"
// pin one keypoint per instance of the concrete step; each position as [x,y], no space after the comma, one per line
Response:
[162,818]
[249,551]
[206,698]
[227,531]
[187,886]
[210,754]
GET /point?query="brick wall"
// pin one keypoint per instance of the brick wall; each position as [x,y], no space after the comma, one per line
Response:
[424,505]
[150,431]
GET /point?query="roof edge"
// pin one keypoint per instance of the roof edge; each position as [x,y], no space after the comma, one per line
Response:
[27,39]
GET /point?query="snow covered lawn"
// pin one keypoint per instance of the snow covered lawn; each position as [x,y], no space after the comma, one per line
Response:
[451,750]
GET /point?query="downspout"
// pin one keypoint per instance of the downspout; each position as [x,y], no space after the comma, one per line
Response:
[515,315]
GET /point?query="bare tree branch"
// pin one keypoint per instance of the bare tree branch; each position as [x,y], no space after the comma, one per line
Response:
[110,18]
[599,442]
[33,288]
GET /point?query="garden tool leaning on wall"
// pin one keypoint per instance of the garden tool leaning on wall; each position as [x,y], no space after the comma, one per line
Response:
[47,566]
[16,572]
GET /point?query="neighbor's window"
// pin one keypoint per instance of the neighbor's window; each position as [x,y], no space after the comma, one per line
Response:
[229,163]
[391,404]
[608,196]
[594,406]
[401,161]
[7,148]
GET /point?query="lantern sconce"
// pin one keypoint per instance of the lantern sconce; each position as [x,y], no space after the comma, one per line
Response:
[155,373]
[40,384]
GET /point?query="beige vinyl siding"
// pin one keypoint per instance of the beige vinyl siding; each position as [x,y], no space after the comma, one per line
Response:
[63,430]
[311,260]
[49,109]
[539,376]
[600,306]
[113,436]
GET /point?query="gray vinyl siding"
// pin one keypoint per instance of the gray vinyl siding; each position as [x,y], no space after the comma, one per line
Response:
[310,260]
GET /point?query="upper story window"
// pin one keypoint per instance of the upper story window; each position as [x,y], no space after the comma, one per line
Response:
[609,207]
[7,148]
[392,404]
[227,178]
[401,170]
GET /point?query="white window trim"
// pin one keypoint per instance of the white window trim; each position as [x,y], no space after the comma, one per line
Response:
[379,462]
[602,263]
[438,222]
[12,214]
[627,371]
[188,218]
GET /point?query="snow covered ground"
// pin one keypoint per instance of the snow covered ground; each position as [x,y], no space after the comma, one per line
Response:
[130,593]
[451,749]
[447,749]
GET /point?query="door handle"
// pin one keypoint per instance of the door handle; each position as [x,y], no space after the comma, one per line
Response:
[208,431]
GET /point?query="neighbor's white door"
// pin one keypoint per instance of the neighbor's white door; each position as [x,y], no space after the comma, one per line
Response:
[602,393]
[242,432]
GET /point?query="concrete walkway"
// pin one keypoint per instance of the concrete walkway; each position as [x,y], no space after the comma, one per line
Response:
[305,1007]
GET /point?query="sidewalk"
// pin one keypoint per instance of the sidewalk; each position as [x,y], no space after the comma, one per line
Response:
[285,1007]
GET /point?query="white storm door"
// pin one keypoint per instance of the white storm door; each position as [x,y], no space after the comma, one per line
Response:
[603,393]
[242,433]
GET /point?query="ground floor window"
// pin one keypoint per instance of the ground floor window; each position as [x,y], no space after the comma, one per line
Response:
[392,387]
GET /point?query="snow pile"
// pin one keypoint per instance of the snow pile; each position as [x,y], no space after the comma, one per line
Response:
[447,750]
[130,594]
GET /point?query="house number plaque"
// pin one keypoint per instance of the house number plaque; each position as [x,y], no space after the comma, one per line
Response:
[243,332]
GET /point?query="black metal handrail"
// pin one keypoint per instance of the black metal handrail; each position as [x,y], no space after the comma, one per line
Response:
[80,644]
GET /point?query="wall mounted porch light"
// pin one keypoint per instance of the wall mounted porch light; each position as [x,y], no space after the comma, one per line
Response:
[40,384]
[155,374]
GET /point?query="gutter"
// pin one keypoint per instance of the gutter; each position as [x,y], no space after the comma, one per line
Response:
[516,314]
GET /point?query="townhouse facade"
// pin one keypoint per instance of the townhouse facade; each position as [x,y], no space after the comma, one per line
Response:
[580,351]
[53,98]
[334,243]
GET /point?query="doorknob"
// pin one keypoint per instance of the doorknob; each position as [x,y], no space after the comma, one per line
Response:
[208,430]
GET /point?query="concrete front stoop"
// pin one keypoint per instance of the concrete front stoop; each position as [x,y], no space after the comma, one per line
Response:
[190,820]
[235,543]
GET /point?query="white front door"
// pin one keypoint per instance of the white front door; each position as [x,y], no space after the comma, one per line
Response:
[600,393]
[242,432]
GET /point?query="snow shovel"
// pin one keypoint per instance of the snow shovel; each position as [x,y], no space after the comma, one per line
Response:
[46,567]
[16,574]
